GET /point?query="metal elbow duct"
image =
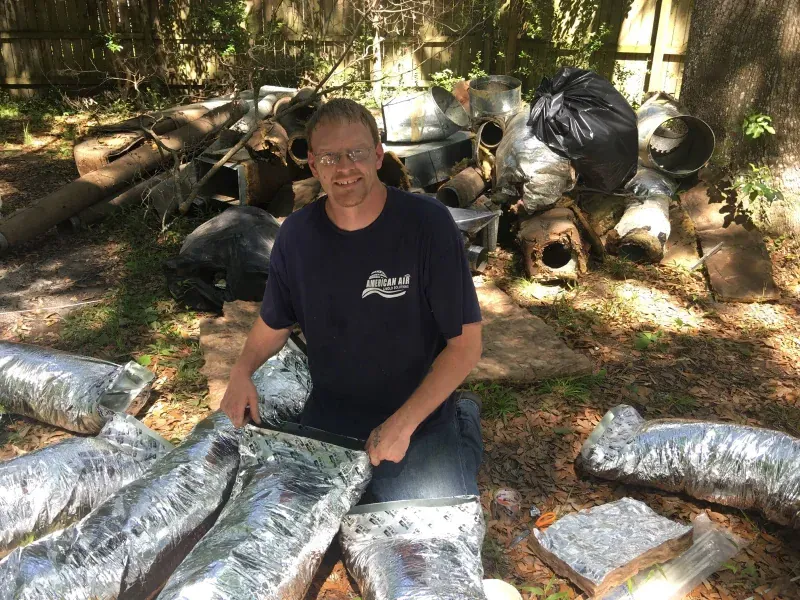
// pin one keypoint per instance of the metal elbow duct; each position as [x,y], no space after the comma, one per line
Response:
[495,96]
[670,139]
[434,114]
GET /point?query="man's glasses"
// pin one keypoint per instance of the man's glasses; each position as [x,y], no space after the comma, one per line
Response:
[330,159]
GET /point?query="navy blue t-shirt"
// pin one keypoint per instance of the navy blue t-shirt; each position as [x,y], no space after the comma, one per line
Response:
[376,305]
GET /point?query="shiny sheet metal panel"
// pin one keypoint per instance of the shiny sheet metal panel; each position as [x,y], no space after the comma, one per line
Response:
[416,550]
[288,501]
[527,168]
[283,384]
[51,488]
[736,465]
[597,541]
[67,390]
[129,545]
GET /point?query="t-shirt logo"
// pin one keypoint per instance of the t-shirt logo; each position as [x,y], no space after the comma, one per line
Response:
[388,287]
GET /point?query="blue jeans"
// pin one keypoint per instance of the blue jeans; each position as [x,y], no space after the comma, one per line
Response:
[442,460]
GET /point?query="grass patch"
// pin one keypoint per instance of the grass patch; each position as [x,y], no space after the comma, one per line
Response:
[618,267]
[569,319]
[572,388]
[499,401]
[650,340]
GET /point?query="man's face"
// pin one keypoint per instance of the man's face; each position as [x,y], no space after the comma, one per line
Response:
[347,183]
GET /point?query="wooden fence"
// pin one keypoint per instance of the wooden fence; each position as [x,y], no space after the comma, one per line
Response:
[78,42]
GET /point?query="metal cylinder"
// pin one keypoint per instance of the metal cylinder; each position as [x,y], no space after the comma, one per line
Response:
[462,189]
[495,96]
[478,258]
[552,246]
[490,133]
[298,149]
[672,140]
[434,114]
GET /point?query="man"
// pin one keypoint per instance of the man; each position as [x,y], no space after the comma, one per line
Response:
[379,283]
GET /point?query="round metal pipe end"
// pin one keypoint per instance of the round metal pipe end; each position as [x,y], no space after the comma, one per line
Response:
[490,134]
[298,149]
[478,258]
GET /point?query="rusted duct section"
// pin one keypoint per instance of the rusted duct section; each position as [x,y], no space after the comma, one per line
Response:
[552,247]
[670,139]
[109,143]
[434,114]
[294,196]
[463,189]
[130,198]
[495,96]
[644,228]
[298,148]
[90,189]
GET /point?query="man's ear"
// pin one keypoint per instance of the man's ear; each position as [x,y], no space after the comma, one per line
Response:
[312,164]
[378,155]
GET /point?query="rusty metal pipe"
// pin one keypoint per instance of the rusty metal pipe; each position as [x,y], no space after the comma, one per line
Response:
[490,133]
[552,246]
[298,149]
[90,189]
[462,189]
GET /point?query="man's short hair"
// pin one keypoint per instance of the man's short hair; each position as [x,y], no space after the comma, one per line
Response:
[342,109]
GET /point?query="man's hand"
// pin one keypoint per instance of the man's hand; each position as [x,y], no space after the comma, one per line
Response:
[389,441]
[240,394]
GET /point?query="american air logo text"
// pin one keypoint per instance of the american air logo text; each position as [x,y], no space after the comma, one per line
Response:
[388,287]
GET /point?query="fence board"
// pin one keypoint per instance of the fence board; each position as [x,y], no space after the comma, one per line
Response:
[40,37]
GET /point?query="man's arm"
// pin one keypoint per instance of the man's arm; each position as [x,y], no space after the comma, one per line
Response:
[262,343]
[390,440]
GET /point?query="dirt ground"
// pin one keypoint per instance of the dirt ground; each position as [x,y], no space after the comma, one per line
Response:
[656,336]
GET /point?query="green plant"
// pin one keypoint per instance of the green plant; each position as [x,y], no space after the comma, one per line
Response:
[476,68]
[757,124]
[499,401]
[27,138]
[752,191]
[544,592]
[577,388]
[112,42]
[446,79]
[645,340]
[619,267]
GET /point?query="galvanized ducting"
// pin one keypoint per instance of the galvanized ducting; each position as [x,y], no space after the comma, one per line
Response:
[670,139]
[552,248]
[434,114]
[495,96]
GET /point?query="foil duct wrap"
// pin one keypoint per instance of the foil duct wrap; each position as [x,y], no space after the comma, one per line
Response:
[649,182]
[129,545]
[52,488]
[288,501]
[595,543]
[416,550]
[735,465]
[527,168]
[283,384]
[67,390]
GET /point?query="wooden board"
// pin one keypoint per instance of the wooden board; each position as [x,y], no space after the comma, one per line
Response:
[742,270]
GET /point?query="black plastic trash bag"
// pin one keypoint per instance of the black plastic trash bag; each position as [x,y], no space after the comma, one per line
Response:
[581,116]
[225,259]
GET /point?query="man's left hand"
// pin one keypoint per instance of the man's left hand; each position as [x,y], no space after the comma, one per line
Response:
[388,441]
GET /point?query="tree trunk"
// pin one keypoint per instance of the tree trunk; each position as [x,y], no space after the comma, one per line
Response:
[742,56]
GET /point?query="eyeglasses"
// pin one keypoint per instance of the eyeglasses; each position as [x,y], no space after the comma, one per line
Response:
[330,159]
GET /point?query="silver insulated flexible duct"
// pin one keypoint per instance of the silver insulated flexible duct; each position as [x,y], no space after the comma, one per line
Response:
[283,384]
[52,488]
[128,546]
[67,390]
[416,550]
[735,465]
[289,498]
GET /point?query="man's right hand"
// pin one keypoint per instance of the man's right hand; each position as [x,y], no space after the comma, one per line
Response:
[240,394]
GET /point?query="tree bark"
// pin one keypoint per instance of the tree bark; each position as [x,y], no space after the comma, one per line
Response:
[744,55]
